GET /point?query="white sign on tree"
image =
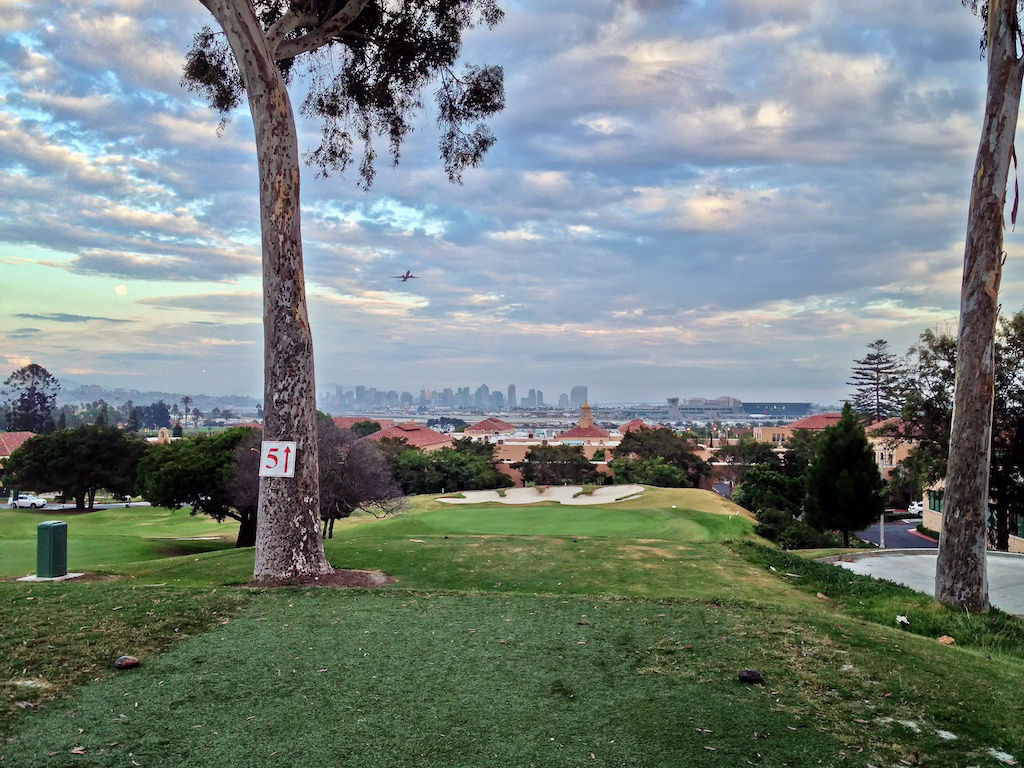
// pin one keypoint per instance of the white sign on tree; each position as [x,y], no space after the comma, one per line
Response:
[277,458]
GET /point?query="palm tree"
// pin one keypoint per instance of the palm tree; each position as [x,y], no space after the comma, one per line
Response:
[186,401]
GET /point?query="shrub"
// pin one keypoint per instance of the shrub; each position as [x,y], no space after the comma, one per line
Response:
[800,535]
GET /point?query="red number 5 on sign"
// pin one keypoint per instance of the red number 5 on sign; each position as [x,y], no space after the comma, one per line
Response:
[277,459]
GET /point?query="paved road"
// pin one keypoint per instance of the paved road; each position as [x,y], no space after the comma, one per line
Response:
[901,534]
[916,569]
[118,504]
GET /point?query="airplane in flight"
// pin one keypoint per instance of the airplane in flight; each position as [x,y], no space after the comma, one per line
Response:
[406,277]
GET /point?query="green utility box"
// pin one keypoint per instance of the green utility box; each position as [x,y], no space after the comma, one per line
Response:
[52,550]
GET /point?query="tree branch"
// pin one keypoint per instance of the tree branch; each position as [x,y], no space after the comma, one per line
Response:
[281,28]
[322,34]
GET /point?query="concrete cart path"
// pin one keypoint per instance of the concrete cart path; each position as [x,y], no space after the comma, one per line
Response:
[564,494]
[916,569]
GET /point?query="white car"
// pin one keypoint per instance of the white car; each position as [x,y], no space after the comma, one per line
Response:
[26,500]
[916,508]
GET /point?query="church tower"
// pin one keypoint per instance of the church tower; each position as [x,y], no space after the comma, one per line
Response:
[586,417]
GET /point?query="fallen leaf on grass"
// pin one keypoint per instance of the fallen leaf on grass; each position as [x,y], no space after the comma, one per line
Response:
[820,596]
[946,640]
[78,751]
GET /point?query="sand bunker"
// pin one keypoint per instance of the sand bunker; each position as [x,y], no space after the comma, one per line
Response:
[563,494]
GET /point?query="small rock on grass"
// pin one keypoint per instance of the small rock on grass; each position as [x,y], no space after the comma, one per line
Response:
[946,640]
[751,676]
[126,662]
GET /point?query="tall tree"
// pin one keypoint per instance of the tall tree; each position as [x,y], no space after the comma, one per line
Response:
[876,380]
[353,475]
[960,575]
[78,462]
[928,414]
[928,406]
[186,403]
[676,450]
[842,487]
[197,471]
[1006,482]
[556,464]
[30,395]
[369,61]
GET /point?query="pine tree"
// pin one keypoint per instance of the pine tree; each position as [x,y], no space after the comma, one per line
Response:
[876,382]
[843,487]
[29,395]
[133,421]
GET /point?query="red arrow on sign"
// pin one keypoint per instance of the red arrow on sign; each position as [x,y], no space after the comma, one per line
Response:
[287,452]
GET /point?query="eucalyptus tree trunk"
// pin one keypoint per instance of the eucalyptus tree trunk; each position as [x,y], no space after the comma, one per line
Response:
[288,542]
[960,577]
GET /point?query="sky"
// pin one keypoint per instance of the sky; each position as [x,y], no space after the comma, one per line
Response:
[686,199]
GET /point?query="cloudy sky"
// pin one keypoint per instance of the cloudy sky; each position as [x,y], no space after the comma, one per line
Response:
[687,198]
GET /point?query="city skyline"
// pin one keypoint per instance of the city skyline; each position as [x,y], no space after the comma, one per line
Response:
[688,200]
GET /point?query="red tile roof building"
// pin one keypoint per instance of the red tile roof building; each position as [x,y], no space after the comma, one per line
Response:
[416,435]
[11,441]
[489,427]
[817,422]
[585,430]
[779,435]
[629,426]
[347,422]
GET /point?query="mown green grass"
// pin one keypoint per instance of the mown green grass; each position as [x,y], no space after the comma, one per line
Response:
[567,638]
[421,679]
[561,520]
[55,635]
[103,539]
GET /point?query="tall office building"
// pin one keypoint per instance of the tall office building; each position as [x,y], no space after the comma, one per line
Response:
[512,402]
[578,396]
[540,399]
[482,397]
[563,401]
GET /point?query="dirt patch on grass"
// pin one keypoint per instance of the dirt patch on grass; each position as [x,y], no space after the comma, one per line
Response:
[642,552]
[337,579]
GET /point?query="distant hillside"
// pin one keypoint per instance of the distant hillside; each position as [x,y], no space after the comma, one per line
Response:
[73,392]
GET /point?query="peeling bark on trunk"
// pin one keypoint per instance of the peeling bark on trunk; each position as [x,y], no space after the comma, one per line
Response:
[288,542]
[960,577]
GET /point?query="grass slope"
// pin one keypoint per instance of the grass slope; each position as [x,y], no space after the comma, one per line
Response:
[564,636]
